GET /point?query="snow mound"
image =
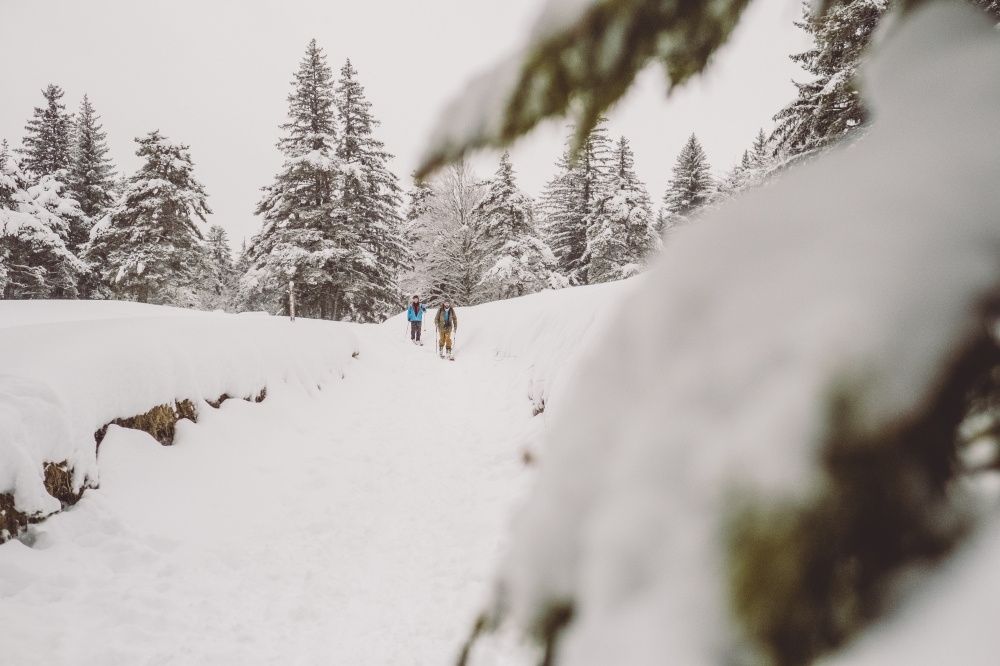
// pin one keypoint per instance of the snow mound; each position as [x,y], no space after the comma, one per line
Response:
[70,367]
[863,270]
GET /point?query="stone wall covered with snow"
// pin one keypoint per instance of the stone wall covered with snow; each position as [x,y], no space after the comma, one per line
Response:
[68,368]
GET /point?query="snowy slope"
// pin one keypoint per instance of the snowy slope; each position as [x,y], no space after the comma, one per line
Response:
[84,364]
[540,335]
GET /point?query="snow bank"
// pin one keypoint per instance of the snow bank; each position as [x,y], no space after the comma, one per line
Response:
[26,313]
[69,367]
[863,270]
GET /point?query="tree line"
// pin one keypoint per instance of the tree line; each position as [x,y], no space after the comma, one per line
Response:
[333,224]
[70,228]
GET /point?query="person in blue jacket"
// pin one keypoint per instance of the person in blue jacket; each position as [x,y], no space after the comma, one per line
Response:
[415,314]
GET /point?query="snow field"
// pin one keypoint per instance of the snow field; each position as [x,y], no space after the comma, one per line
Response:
[359,523]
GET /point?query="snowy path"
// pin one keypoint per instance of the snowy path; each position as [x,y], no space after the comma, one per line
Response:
[359,526]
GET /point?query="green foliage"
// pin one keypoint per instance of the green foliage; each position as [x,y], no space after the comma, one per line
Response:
[91,175]
[517,260]
[331,218]
[621,232]
[450,240]
[549,626]
[691,186]
[829,106]
[572,196]
[311,125]
[371,200]
[305,235]
[35,261]
[149,246]
[49,134]
[806,575]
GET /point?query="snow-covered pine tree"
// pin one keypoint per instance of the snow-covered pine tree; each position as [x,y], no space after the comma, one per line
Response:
[219,254]
[754,168]
[417,195]
[218,285]
[829,107]
[760,154]
[242,259]
[449,245]
[692,184]
[48,141]
[34,259]
[571,196]
[371,201]
[991,7]
[621,232]
[149,246]
[306,235]
[91,175]
[517,260]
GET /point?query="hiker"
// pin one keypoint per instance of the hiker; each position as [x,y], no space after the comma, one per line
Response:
[446,322]
[415,315]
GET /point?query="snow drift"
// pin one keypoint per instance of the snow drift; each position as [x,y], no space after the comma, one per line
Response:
[858,276]
[68,368]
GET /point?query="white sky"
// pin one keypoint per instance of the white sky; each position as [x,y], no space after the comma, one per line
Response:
[215,75]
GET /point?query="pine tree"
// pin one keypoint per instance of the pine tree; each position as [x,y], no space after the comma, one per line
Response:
[418,196]
[306,235]
[34,259]
[691,187]
[218,285]
[91,174]
[48,142]
[754,168]
[621,232]
[829,107]
[517,260]
[149,246]
[242,264]
[991,7]
[312,125]
[219,254]
[571,196]
[449,240]
[371,201]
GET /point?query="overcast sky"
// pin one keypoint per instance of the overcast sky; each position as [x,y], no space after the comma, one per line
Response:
[215,75]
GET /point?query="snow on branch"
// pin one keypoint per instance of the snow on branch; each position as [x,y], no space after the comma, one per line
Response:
[582,56]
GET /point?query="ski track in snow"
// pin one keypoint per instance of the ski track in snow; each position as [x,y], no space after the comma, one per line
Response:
[359,526]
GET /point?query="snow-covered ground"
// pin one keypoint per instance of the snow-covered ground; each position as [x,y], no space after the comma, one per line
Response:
[68,368]
[356,524]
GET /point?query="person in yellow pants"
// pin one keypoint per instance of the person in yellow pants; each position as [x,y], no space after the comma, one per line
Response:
[446,321]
